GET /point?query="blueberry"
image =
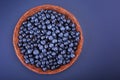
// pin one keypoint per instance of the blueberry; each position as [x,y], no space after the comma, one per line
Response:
[36,20]
[64,62]
[54,41]
[36,57]
[49,56]
[27,61]
[46,46]
[31,59]
[30,56]
[47,22]
[19,44]
[62,16]
[24,40]
[49,11]
[30,36]
[53,67]
[24,44]
[50,38]
[70,49]
[52,17]
[49,26]
[43,42]
[23,35]
[71,45]
[60,56]
[53,28]
[43,27]
[29,24]
[53,34]
[44,51]
[72,55]
[35,29]
[65,39]
[64,20]
[39,26]
[24,23]
[75,43]
[66,34]
[44,69]
[73,25]
[45,59]
[67,61]
[20,32]
[23,51]
[40,46]
[37,65]
[42,37]
[73,28]
[46,62]
[60,49]
[48,33]
[20,37]
[33,17]
[28,40]
[35,52]
[77,38]
[68,21]
[41,56]
[77,33]
[57,31]
[25,57]
[63,52]
[59,61]
[29,51]
[51,45]
[43,62]
[48,53]
[53,53]
[62,45]
[43,18]
[60,41]
[47,15]
[60,35]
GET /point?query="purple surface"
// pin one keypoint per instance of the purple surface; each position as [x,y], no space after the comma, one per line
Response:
[100,57]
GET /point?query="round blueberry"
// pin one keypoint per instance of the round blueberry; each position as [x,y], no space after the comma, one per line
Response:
[51,45]
[27,61]
[47,22]
[35,52]
[50,38]
[72,55]
[54,41]
[48,33]
[57,31]
[49,26]
[40,46]
[53,53]
[66,34]
[52,17]
[59,61]
[60,35]
[29,51]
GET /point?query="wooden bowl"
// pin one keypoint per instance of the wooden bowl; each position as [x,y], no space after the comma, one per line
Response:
[30,13]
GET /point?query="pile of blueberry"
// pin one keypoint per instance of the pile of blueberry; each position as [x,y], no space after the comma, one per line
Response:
[48,40]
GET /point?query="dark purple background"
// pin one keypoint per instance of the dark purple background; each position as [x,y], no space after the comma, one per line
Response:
[100,57]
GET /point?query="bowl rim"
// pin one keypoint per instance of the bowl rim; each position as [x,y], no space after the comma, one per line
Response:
[30,13]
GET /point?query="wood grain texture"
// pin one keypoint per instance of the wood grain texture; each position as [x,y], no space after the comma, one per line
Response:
[30,13]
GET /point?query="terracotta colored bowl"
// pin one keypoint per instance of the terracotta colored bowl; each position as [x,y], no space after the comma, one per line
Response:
[30,13]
